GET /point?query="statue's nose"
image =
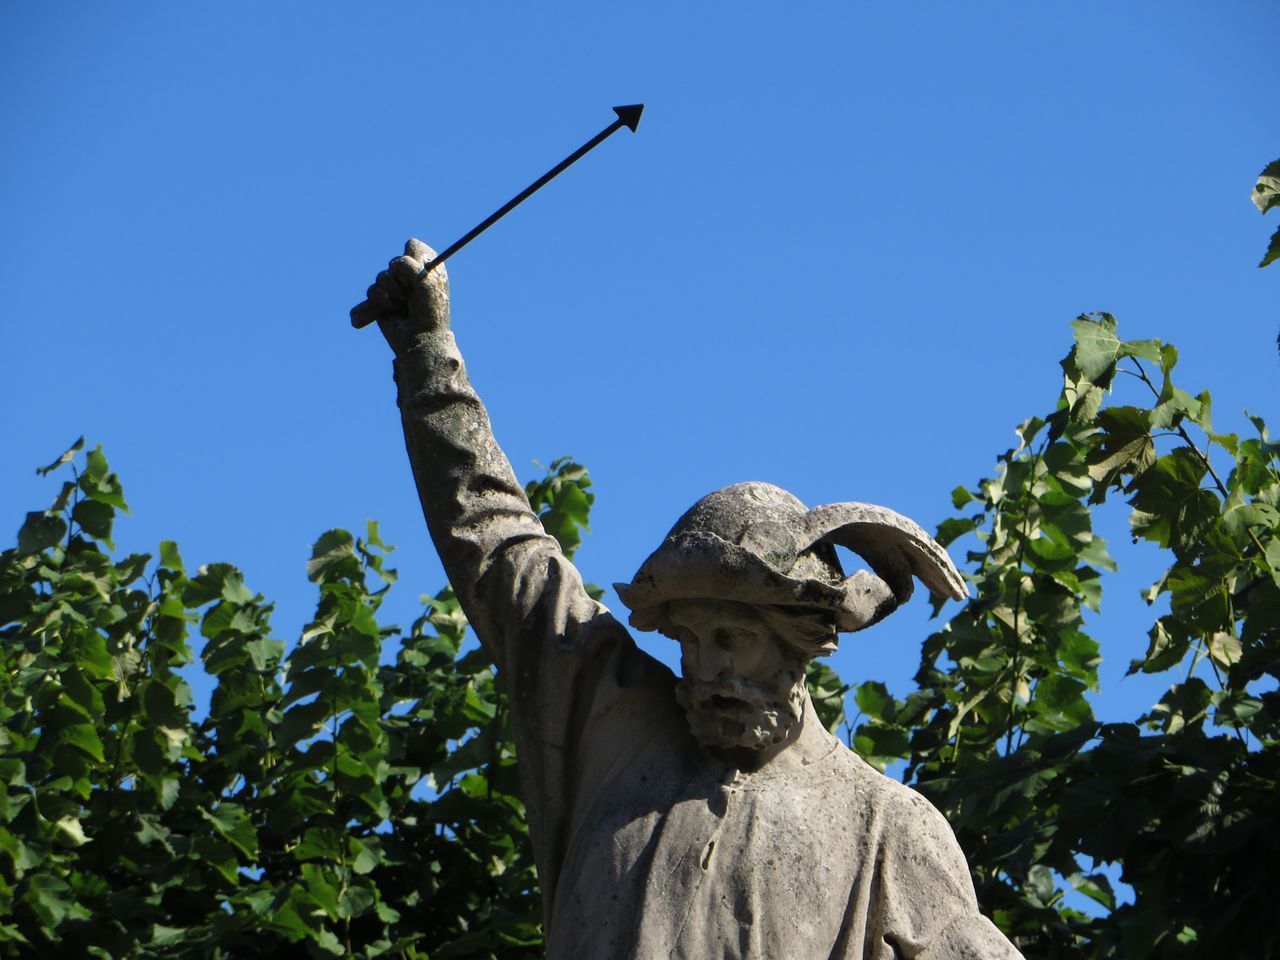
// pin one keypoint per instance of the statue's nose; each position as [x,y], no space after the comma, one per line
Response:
[702,662]
[715,661]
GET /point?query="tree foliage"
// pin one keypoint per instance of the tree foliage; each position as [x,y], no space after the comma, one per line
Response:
[999,733]
[329,804]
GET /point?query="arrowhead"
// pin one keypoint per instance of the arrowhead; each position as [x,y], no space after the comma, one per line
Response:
[630,115]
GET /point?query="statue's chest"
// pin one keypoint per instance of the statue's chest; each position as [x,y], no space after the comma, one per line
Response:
[671,861]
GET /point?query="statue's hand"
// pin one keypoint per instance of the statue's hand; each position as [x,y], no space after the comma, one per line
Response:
[406,300]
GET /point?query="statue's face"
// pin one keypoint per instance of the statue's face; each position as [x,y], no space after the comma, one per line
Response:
[743,684]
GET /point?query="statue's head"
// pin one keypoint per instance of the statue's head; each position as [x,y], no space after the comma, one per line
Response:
[743,667]
[749,584]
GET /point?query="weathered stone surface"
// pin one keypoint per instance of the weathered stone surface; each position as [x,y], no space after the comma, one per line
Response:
[707,816]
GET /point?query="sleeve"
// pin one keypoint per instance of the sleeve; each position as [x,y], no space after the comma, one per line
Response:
[562,656]
[497,556]
[928,909]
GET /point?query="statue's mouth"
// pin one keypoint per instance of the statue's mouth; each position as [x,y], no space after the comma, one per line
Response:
[726,704]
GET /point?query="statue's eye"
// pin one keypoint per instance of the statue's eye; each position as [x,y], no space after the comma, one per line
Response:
[727,639]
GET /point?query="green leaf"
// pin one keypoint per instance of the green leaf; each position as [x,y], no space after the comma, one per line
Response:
[95,519]
[84,737]
[166,706]
[827,692]
[1097,346]
[562,502]
[1080,654]
[1266,192]
[162,936]
[83,691]
[52,900]
[356,899]
[1238,515]
[364,621]
[1184,705]
[231,822]
[880,745]
[1068,474]
[302,722]
[131,568]
[265,653]
[214,581]
[1063,696]
[1049,555]
[1272,556]
[1082,398]
[875,701]
[319,843]
[952,528]
[1170,508]
[1224,650]
[215,852]
[1096,555]
[150,751]
[1236,707]
[387,915]
[1124,448]
[288,918]
[1167,645]
[365,857]
[99,483]
[227,616]
[322,891]
[64,497]
[1176,404]
[373,539]
[333,557]
[65,457]
[327,943]
[170,558]
[72,831]
[1192,587]
[1273,250]
[1096,887]
[40,532]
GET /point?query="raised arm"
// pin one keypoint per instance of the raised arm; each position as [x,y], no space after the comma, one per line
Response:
[563,658]
[505,569]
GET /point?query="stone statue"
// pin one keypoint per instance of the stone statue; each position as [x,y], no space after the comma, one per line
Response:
[706,817]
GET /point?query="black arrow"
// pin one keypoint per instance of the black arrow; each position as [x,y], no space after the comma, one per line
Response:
[628,116]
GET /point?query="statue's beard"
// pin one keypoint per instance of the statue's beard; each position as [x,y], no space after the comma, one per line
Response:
[730,712]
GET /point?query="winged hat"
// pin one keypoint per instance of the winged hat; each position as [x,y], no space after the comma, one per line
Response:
[756,543]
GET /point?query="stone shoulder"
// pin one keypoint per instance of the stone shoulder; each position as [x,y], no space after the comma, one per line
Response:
[907,820]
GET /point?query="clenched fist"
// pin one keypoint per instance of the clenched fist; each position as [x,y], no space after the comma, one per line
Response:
[406,300]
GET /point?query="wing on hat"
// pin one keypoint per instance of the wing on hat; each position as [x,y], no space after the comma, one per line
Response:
[895,546]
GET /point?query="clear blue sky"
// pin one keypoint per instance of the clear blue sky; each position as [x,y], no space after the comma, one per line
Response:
[840,254]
